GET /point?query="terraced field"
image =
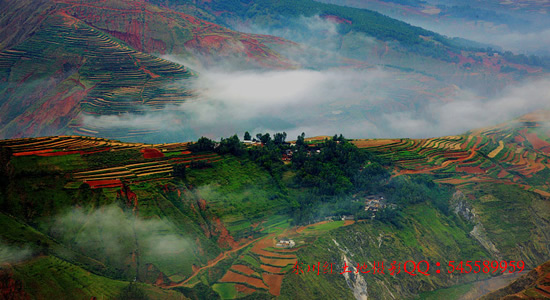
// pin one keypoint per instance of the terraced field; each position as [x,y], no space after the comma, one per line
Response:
[153,29]
[508,153]
[143,166]
[97,75]
[82,60]
[263,266]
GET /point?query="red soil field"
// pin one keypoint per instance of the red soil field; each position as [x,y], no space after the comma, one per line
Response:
[94,184]
[278,262]
[244,289]
[225,239]
[348,222]
[263,243]
[151,153]
[373,143]
[519,139]
[234,277]
[453,181]
[503,173]
[243,269]
[271,254]
[291,250]
[274,283]
[536,141]
[271,269]
[37,152]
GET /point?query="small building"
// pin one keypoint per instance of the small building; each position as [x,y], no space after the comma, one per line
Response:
[285,243]
[348,217]
[374,203]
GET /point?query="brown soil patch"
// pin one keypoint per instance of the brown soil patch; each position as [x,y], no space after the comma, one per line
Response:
[536,141]
[503,173]
[244,289]
[272,254]
[318,138]
[263,243]
[348,222]
[234,277]
[225,239]
[271,269]
[373,143]
[453,181]
[519,139]
[243,269]
[274,283]
[291,250]
[278,262]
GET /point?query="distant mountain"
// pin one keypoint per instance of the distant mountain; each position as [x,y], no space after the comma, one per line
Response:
[502,25]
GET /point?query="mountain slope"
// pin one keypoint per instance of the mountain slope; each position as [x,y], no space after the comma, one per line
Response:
[44,92]
[395,43]
[534,285]
[58,66]
[212,229]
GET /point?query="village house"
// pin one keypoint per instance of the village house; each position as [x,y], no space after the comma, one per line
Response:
[348,217]
[285,243]
[287,155]
[374,203]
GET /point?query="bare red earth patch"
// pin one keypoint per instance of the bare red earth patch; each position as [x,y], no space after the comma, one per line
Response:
[519,139]
[243,269]
[278,262]
[96,184]
[537,142]
[271,269]
[241,288]
[274,282]
[503,173]
[471,170]
[234,277]
[151,153]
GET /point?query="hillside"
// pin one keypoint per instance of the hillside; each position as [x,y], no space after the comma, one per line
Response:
[369,37]
[503,25]
[183,219]
[63,61]
[534,285]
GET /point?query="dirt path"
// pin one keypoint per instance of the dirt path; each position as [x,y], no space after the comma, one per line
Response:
[213,263]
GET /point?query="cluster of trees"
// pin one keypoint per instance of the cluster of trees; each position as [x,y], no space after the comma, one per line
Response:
[327,173]
[531,60]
